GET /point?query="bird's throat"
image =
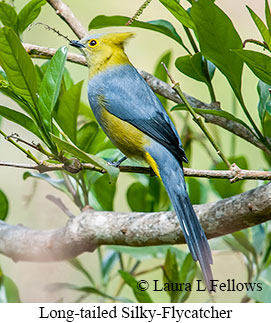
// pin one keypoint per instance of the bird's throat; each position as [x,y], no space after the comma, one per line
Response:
[106,60]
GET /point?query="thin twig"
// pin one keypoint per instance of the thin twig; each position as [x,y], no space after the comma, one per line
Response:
[17,138]
[37,147]
[135,266]
[49,28]
[26,152]
[206,148]
[138,12]
[234,174]
[57,201]
[146,271]
[84,189]
[73,192]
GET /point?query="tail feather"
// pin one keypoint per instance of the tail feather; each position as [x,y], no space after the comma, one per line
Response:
[193,233]
[194,236]
[171,174]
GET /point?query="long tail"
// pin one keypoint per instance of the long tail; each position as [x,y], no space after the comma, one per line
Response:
[171,173]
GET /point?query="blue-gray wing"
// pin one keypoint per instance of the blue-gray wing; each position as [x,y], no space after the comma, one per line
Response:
[127,96]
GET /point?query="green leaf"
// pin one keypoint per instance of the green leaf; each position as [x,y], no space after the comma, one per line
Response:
[143,253]
[3,206]
[256,235]
[8,16]
[179,270]
[219,244]
[220,113]
[179,13]
[101,142]
[29,13]
[56,183]
[92,290]
[18,66]
[21,119]
[39,75]
[110,154]
[67,111]
[6,89]
[188,270]
[266,125]
[108,263]
[78,265]
[267,15]
[158,195]
[50,86]
[264,104]
[161,26]
[139,198]
[266,260]
[217,36]
[8,289]
[68,82]
[88,290]
[192,66]
[141,296]
[243,240]
[223,187]
[260,64]
[112,171]
[86,111]
[171,275]
[261,27]
[86,135]
[211,69]
[236,246]
[262,294]
[44,66]
[104,192]
[160,72]
[197,191]
[148,197]
[187,138]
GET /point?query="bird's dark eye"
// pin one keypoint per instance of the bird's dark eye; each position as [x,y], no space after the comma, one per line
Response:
[93,43]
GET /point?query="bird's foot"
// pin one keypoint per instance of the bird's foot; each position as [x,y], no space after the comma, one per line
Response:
[117,163]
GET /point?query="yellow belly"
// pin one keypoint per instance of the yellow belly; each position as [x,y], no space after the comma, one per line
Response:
[130,141]
[124,136]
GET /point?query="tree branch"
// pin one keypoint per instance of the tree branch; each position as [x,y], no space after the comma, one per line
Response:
[91,229]
[65,13]
[234,174]
[168,92]
[37,51]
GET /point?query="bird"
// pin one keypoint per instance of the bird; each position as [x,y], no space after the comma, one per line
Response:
[136,122]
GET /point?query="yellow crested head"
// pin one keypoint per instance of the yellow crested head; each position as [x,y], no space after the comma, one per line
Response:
[103,50]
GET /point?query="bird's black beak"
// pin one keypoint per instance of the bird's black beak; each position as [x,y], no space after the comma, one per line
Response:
[76,43]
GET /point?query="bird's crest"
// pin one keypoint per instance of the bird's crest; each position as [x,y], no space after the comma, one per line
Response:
[117,38]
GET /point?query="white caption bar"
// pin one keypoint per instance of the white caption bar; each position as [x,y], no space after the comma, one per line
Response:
[63,312]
